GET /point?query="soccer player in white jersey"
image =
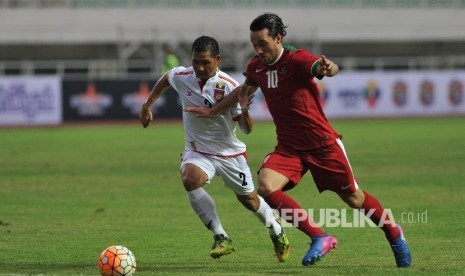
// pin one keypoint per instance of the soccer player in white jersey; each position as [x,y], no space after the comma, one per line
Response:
[211,146]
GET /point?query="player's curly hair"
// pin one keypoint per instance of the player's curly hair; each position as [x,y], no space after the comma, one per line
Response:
[270,21]
[206,43]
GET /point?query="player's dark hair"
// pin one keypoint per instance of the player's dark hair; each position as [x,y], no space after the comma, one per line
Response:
[269,21]
[206,43]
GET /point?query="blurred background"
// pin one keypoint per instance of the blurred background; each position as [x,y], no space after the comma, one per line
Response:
[96,60]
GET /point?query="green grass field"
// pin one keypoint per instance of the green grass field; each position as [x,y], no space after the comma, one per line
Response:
[69,192]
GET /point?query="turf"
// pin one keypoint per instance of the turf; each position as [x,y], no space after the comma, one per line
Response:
[69,192]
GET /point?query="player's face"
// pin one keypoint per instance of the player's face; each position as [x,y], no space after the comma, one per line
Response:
[204,64]
[267,47]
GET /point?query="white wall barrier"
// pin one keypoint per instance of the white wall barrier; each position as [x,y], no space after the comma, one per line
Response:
[385,94]
[30,101]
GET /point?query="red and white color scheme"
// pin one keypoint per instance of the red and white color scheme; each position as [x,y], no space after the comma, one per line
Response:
[215,136]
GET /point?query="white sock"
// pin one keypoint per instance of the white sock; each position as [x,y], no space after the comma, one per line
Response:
[266,216]
[204,206]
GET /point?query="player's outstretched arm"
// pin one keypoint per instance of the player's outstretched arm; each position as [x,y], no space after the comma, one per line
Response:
[228,101]
[160,87]
[206,112]
[200,111]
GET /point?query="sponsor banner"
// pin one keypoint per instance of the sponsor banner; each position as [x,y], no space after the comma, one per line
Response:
[30,101]
[393,94]
[385,94]
[115,100]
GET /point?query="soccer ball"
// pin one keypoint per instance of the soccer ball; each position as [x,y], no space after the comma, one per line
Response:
[117,260]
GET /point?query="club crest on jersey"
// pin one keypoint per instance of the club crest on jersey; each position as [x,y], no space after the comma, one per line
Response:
[220,89]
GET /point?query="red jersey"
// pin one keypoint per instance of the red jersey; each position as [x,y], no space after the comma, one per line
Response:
[293,99]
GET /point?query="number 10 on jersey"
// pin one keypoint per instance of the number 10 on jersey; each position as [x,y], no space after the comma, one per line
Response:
[272,78]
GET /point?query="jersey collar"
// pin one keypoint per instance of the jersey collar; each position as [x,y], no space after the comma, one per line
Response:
[279,57]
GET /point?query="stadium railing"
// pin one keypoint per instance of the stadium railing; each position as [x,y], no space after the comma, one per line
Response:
[111,68]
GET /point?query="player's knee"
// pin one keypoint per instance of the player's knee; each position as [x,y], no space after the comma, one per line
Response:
[270,181]
[190,183]
[251,201]
[353,201]
[264,190]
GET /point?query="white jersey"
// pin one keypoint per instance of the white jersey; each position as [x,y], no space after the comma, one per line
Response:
[215,136]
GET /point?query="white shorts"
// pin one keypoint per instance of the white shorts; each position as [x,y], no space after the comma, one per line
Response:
[234,171]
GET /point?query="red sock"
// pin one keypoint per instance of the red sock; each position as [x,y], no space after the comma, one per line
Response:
[281,201]
[371,203]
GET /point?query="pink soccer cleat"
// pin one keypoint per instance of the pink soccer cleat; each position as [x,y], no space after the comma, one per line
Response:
[319,247]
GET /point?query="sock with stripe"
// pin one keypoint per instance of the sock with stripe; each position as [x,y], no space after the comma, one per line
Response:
[204,206]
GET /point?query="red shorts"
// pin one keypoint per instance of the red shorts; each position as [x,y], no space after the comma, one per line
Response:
[328,165]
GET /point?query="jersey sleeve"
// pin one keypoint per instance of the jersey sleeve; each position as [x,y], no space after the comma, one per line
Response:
[171,75]
[308,62]
[249,75]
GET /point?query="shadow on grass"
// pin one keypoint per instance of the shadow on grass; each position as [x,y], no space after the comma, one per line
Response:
[244,267]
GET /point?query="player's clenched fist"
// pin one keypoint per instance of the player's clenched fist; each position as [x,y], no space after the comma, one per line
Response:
[145,115]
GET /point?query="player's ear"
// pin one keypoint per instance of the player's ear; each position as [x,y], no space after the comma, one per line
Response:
[218,59]
[279,39]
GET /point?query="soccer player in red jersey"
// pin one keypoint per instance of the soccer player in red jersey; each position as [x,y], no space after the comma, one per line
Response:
[306,141]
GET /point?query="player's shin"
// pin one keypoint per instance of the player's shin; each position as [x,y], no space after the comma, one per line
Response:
[204,206]
[372,207]
[266,216]
[291,211]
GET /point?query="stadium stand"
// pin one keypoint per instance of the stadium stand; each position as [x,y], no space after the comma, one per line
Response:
[123,38]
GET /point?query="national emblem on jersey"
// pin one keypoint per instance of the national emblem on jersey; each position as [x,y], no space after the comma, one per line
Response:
[220,89]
